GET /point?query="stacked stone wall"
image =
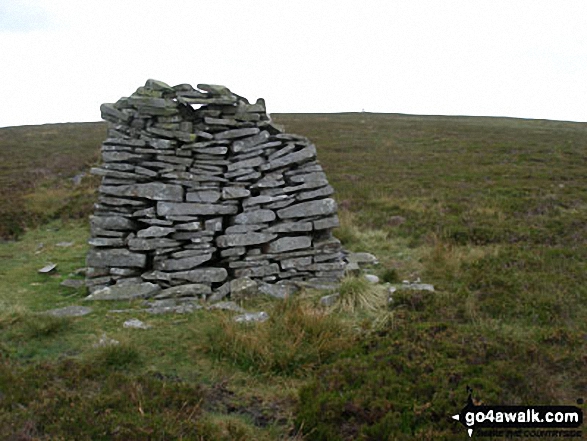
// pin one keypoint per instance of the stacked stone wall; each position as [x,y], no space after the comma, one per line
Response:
[200,187]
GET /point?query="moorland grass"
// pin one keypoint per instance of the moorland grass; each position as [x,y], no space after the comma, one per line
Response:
[491,211]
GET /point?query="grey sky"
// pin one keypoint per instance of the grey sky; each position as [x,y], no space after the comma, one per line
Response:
[62,59]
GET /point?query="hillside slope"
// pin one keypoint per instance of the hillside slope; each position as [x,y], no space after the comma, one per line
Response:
[491,211]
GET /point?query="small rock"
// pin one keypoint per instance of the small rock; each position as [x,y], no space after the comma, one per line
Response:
[395,221]
[77,179]
[243,288]
[136,324]
[64,244]
[227,306]
[371,278]
[72,283]
[105,341]
[352,269]
[48,268]
[329,300]
[219,293]
[278,290]
[125,292]
[185,308]
[421,287]
[70,311]
[362,258]
[249,317]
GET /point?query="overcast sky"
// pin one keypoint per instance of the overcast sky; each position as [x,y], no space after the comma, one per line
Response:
[59,60]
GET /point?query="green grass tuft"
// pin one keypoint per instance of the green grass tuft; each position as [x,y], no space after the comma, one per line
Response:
[357,293]
[295,340]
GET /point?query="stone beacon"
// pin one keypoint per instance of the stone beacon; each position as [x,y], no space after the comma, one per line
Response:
[199,189]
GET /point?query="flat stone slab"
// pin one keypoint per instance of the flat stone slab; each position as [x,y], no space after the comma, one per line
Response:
[73,283]
[289,243]
[70,311]
[362,258]
[156,191]
[329,300]
[48,268]
[136,324]
[126,292]
[255,217]
[188,208]
[201,275]
[182,264]
[227,306]
[322,207]
[251,317]
[241,240]
[243,288]
[191,289]
[117,257]
[278,290]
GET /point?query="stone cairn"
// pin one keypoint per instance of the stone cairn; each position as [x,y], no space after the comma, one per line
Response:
[199,189]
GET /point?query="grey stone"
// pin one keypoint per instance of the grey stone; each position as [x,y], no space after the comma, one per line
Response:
[110,113]
[105,341]
[327,223]
[189,290]
[64,244]
[48,268]
[244,228]
[352,269]
[417,287]
[213,224]
[321,207]
[289,243]
[136,324]
[235,193]
[215,89]
[300,156]
[247,143]
[203,196]
[141,244]
[362,258]
[125,272]
[232,252]
[255,217]
[186,308]
[73,283]
[259,271]
[329,300]
[117,223]
[125,292]
[321,192]
[106,242]
[372,278]
[243,288]
[250,317]
[278,290]
[227,306]
[238,240]
[296,262]
[69,311]
[237,133]
[247,163]
[290,227]
[182,264]
[189,226]
[177,208]
[119,257]
[219,293]
[201,275]
[155,232]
